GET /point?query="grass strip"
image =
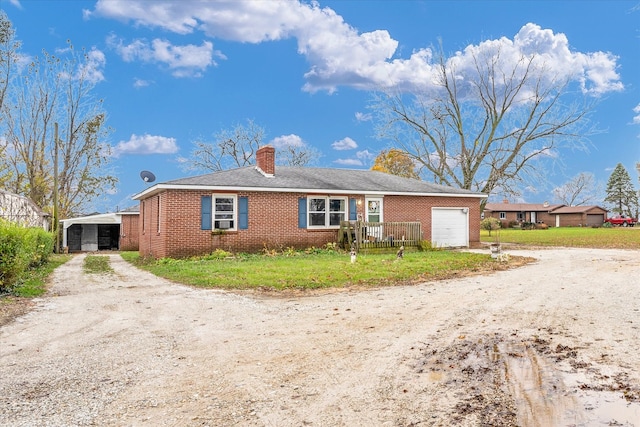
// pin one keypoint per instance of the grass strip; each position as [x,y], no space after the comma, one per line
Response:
[96,264]
[33,283]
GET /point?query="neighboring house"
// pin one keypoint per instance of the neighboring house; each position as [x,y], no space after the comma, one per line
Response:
[22,211]
[250,208]
[545,213]
[579,216]
[110,231]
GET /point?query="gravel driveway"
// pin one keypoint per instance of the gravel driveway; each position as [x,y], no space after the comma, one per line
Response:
[551,343]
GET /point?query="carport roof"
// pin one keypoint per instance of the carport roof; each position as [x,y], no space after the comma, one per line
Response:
[107,218]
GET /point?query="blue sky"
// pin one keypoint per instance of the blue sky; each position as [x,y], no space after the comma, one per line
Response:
[174,72]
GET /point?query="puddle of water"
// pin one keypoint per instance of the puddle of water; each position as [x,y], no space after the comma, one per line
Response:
[606,408]
[543,399]
[538,390]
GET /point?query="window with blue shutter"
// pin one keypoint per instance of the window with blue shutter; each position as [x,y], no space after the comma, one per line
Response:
[205,213]
[243,213]
[302,212]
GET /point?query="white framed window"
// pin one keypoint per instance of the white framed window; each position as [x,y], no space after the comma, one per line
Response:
[503,215]
[326,212]
[224,211]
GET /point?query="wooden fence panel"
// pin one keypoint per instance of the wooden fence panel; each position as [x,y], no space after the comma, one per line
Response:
[379,234]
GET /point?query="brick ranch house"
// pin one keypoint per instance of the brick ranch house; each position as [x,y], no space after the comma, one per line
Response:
[250,208]
[551,215]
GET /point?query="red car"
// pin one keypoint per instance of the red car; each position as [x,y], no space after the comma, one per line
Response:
[621,220]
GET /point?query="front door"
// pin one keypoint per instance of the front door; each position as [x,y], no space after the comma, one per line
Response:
[374,214]
[374,209]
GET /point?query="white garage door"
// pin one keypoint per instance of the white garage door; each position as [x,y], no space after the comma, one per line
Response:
[449,227]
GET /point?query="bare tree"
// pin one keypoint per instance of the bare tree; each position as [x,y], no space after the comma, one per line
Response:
[481,127]
[581,190]
[9,47]
[56,90]
[232,148]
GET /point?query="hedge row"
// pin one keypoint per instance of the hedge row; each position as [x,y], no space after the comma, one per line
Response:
[21,249]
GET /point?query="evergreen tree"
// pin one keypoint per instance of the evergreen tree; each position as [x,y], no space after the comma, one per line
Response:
[621,192]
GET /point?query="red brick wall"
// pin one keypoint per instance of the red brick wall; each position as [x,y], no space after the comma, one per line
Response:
[573,220]
[273,222]
[129,233]
[409,208]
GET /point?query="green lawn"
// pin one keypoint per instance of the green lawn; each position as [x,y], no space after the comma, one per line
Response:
[580,237]
[327,268]
[317,270]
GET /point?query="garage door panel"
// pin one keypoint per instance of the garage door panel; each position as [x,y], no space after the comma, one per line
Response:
[449,227]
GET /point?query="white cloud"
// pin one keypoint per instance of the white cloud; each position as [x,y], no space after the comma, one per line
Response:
[93,67]
[339,55]
[348,162]
[184,61]
[636,118]
[365,155]
[344,144]
[138,83]
[146,144]
[287,141]
[363,117]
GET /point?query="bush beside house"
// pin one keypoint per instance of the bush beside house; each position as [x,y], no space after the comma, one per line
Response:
[21,249]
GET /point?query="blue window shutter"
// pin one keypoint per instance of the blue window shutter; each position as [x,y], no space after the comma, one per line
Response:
[302,212]
[243,213]
[353,210]
[205,213]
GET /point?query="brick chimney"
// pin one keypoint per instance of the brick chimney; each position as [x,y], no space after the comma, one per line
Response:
[266,160]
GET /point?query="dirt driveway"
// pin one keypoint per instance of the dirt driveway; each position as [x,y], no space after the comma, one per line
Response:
[551,343]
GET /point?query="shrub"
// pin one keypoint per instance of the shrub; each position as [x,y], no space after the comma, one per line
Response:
[21,249]
[426,245]
[490,224]
[218,254]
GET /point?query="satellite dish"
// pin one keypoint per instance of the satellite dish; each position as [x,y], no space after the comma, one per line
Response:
[147,176]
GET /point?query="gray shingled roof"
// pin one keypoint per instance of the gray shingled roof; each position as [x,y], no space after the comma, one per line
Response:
[304,178]
[520,207]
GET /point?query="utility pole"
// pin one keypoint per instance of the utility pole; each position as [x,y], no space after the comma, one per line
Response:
[56,221]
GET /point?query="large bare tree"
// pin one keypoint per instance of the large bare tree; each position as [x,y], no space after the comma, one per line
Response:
[236,147]
[484,123]
[580,190]
[57,89]
[9,48]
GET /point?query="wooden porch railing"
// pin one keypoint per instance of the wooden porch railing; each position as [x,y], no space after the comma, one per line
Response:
[361,235]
